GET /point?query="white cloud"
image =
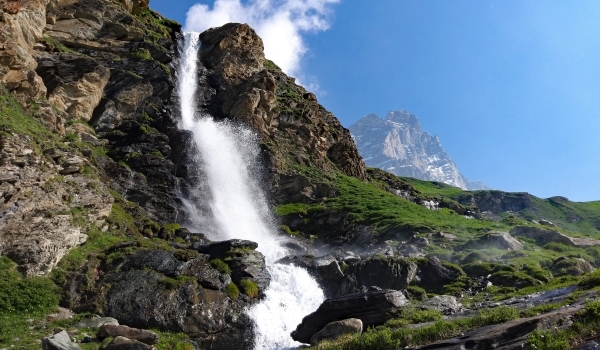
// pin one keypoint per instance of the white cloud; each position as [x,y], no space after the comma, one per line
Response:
[280,23]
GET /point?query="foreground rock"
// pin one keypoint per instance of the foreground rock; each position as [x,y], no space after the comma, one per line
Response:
[336,329]
[371,308]
[506,336]
[59,341]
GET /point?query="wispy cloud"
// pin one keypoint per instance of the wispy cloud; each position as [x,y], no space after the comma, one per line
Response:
[280,23]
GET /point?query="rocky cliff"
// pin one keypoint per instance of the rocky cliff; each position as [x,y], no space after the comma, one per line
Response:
[93,164]
[398,145]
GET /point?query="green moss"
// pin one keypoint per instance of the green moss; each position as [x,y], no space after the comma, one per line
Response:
[410,315]
[232,291]
[168,231]
[55,45]
[249,287]
[178,282]
[220,265]
[141,54]
[417,293]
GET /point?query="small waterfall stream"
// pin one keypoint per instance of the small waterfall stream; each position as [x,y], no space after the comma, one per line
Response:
[238,209]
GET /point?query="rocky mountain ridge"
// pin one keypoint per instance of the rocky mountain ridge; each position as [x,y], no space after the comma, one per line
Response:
[397,144]
[92,167]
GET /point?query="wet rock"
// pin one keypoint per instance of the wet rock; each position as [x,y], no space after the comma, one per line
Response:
[371,308]
[59,341]
[142,335]
[336,329]
[589,345]
[221,249]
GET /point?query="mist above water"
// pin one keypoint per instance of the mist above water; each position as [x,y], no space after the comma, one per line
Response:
[237,208]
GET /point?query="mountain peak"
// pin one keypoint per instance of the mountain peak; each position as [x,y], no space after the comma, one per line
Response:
[398,145]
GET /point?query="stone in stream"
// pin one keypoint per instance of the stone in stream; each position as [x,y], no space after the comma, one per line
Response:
[370,307]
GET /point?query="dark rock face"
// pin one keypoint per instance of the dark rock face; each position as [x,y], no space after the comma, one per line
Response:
[371,308]
[385,273]
[434,275]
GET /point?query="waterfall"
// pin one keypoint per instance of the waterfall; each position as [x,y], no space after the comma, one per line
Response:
[238,208]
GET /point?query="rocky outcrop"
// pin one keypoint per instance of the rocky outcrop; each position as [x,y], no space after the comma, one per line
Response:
[446,304]
[44,213]
[325,269]
[179,289]
[544,236]
[294,128]
[397,144]
[495,239]
[496,201]
[570,266]
[371,308]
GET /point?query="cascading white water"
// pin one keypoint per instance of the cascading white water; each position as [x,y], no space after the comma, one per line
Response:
[238,209]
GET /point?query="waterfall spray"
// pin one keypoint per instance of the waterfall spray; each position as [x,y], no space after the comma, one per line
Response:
[238,209]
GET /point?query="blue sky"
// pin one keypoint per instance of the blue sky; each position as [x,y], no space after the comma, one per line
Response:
[511,87]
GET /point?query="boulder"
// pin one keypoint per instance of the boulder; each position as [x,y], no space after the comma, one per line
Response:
[59,341]
[142,335]
[383,272]
[370,307]
[543,236]
[336,329]
[123,343]
[495,239]
[96,322]
[433,275]
[570,266]
[446,304]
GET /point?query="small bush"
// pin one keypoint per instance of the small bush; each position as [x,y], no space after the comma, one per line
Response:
[250,288]
[591,281]
[232,291]
[417,293]
[220,265]
[141,54]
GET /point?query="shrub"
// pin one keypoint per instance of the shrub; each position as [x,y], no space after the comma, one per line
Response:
[232,291]
[250,288]
[220,265]
[591,281]
[417,293]
[141,54]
